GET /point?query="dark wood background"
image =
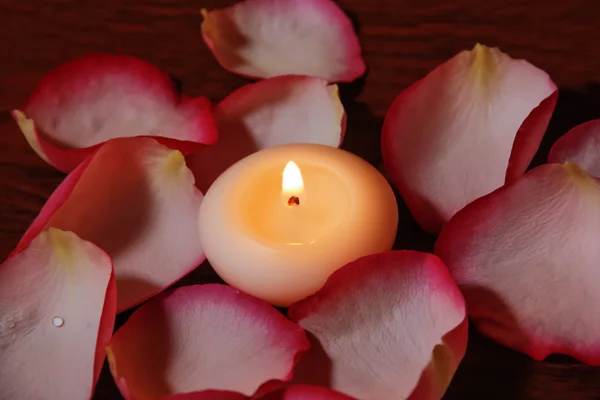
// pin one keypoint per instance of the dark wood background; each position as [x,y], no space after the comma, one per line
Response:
[402,41]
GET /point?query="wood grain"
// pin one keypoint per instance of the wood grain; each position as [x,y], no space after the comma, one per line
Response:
[402,40]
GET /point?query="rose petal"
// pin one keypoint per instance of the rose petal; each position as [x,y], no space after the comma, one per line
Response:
[207,395]
[266,38]
[135,199]
[581,146]
[529,136]
[306,392]
[203,337]
[447,139]
[276,111]
[294,392]
[391,324]
[526,257]
[98,97]
[57,312]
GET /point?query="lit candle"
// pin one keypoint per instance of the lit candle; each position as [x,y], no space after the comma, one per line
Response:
[278,223]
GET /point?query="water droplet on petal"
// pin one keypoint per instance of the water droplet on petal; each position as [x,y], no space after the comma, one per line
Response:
[58,322]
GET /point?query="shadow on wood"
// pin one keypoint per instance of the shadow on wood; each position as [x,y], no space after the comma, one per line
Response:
[574,106]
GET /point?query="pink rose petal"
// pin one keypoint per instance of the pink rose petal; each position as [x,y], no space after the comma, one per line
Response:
[526,257]
[294,392]
[448,138]
[92,99]
[267,38]
[136,199]
[207,395]
[529,136]
[305,392]
[581,146]
[57,313]
[392,325]
[276,111]
[203,337]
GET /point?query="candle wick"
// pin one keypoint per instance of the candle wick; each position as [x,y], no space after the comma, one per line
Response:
[293,201]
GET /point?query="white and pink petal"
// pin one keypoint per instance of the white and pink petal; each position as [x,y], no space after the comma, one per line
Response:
[267,38]
[57,313]
[526,258]
[137,200]
[204,337]
[97,97]
[391,325]
[581,146]
[281,110]
[448,139]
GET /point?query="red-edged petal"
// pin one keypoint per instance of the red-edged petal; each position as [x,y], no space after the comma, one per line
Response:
[207,395]
[391,325]
[276,111]
[136,199]
[294,392]
[526,257]
[266,38]
[529,136]
[306,392]
[203,337]
[92,99]
[57,313]
[581,146]
[448,138]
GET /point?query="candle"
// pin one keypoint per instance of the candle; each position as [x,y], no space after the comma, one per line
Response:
[277,223]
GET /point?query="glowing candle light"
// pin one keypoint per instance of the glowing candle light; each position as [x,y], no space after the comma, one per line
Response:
[279,222]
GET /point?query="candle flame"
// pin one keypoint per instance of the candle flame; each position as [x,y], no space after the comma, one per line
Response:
[292,183]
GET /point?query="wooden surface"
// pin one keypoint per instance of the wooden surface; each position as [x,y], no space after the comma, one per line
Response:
[402,41]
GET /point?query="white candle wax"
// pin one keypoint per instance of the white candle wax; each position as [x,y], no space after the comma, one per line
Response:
[280,237]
